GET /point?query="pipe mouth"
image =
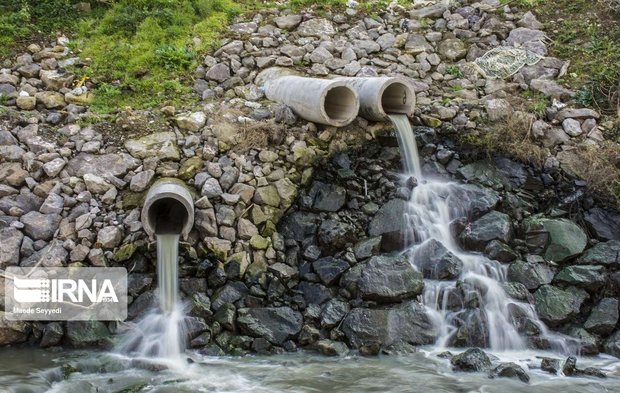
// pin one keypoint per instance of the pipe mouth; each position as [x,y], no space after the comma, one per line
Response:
[340,105]
[168,209]
[398,97]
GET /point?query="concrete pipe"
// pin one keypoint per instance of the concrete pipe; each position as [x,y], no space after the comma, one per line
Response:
[324,101]
[168,209]
[380,96]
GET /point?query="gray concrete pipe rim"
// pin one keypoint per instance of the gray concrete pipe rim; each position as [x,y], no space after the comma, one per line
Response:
[397,96]
[340,104]
[168,209]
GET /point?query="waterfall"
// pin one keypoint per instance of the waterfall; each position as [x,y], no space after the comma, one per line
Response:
[469,308]
[159,334]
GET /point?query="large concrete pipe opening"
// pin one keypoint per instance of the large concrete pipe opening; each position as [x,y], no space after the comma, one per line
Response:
[323,101]
[168,209]
[380,96]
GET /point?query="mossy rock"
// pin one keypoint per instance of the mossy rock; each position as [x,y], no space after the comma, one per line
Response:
[190,167]
[125,252]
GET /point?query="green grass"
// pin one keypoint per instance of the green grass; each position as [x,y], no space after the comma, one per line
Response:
[537,102]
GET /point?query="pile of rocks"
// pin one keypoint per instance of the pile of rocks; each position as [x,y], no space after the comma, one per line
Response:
[287,245]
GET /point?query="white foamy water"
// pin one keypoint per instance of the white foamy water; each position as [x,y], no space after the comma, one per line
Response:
[159,335]
[475,299]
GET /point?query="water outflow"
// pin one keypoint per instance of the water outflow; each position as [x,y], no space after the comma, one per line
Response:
[463,290]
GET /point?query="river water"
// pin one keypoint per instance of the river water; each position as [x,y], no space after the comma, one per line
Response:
[35,370]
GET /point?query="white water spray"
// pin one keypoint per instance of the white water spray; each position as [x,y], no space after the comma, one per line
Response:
[475,298]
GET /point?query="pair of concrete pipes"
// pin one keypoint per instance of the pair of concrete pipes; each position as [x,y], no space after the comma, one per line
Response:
[337,102]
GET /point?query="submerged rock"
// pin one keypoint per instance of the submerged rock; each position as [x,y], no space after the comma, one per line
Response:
[437,262]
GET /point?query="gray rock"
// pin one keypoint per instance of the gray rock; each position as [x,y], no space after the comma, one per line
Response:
[101,165]
[332,348]
[219,73]
[437,262]
[550,365]
[491,226]
[603,318]
[472,360]
[162,145]
[604,253]
[334,236]
[605,224]
[191,121]
[430,11]
[141,181]
[572,127]
[612,344]
[55,80]
[316,28]
[82,334]
[13,332]
[452,49]
[53,204]
[287,22]
[276,324]
[52,334]
[556,306]
[10,243]
[212,188]
[367,247]
[557,239]
[53,168]
[109,237]
[330,269]
[404,323]
[510,370]
[590,277]
[532,275]
[229,293]
[333,312]
[40,226]
[299,225]
[551,89]
[389,279]
[327,197]
[416,43]
[389,222]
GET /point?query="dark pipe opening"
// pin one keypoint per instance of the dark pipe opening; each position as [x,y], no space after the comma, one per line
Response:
[167,216]
[340,103]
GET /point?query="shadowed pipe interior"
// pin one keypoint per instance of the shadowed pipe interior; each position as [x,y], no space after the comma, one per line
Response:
[167,216]
[340,103]
[396,98]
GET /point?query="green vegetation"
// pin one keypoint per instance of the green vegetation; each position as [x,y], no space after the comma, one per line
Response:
[455,71]
[537,102]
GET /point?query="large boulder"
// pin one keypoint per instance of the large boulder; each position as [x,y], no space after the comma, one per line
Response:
[612,345]
[407,322]
[530,274]
[556,239]
[82,334]
[101,165]
[299,225]
[556,306]
[335,235]
[390,223]
[437,262]
[491,226]
[40,226]
[604,317]
[389,279]
[327,197]
[590,277]
[605,253]
[276,324]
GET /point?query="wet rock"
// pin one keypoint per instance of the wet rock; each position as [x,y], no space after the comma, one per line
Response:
[499,251]
[229,293]
[590,277]
[510,370]
[530,274]
[472,360]
[389,280]
[389,223]
[612,344]
[605,253]
[472,329]
[81,334]
[40,226]
[10,243]
[491,226]
[276,324]
[329,269]
[557,239]
[570,366]
[299,225]
[333,312]
[160,144]
[332,348]
[367,248]
[550,365]
[603,318]
[556,306]
[437,262]
[52,334]
[406,322]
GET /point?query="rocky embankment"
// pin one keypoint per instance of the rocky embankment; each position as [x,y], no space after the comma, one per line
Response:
[294,221]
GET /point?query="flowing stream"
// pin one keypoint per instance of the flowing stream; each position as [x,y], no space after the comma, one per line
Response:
[466,298]
[159,334]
